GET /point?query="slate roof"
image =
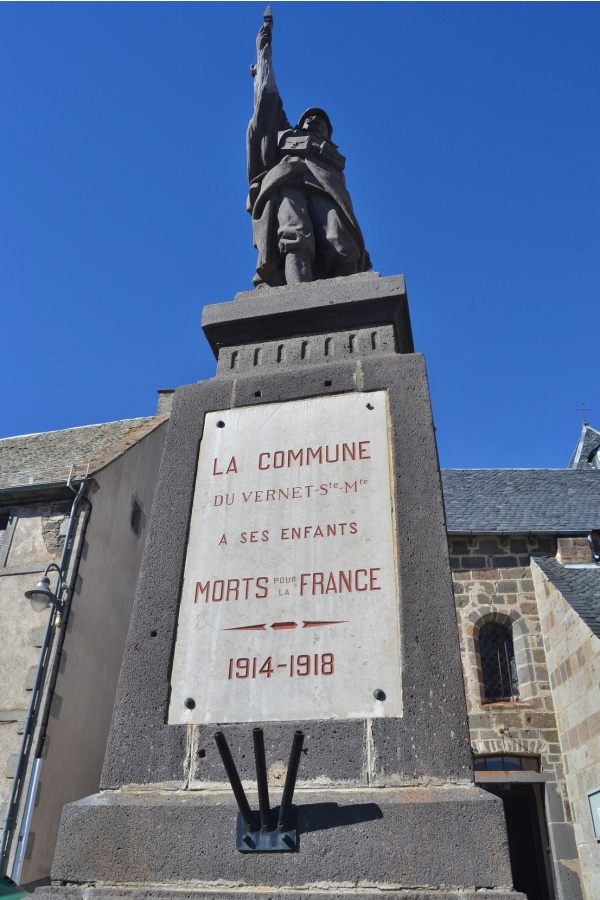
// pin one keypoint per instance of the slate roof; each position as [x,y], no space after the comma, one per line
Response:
[588,443]
[579,587]
[522,501]
[48,457]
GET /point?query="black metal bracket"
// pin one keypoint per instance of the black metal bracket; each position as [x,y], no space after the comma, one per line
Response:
[275,840]
[266,831]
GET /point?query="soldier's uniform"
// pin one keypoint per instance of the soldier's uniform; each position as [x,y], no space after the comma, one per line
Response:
[298,197]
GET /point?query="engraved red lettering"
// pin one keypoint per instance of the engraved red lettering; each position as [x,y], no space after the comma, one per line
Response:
[345,581]
[334,458]
[200,590]
[233,589]
[331,585]
[356,574]
[348,451]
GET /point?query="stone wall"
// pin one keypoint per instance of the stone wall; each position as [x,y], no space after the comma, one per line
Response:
[34,538]
[493,583]
[74,710]
[573,655]
[93,648]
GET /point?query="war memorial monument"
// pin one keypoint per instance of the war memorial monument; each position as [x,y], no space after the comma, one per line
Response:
[291,718]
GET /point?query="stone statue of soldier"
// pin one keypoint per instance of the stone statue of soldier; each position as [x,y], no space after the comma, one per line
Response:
[303,222]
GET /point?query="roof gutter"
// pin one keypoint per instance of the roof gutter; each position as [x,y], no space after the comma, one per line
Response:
[40,490]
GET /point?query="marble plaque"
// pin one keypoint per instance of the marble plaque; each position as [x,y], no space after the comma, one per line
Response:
[289,606]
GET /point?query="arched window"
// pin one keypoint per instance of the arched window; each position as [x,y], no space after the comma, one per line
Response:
[498,668]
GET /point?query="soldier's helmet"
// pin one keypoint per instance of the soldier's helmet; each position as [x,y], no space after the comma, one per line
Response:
[316,111]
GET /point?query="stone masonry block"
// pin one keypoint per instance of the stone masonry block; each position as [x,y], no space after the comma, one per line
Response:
[158,892]
[409,837]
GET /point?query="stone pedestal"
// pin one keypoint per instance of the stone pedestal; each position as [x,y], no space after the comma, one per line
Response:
[383,803]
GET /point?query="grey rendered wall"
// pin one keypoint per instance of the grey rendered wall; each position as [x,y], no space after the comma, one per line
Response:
[93,650]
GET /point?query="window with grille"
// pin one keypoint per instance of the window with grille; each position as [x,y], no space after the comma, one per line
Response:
[498,667]
[503,762]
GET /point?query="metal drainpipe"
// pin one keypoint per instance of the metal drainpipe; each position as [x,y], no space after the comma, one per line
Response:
[33,710]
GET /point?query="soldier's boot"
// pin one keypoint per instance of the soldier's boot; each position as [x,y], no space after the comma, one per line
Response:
[298,268]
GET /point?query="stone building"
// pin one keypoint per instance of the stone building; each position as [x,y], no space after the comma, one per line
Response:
[524,553]
[75,501]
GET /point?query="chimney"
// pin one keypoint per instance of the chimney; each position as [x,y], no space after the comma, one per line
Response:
[165,401]
[574,551]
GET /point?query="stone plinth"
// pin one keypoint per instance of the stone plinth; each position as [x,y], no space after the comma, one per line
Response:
[383,802]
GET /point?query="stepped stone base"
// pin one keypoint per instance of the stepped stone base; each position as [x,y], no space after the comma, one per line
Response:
[442,842]
[162,892]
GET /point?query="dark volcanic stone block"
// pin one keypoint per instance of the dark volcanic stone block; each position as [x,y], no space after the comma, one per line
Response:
[417,838]
[332,750]
[333,305]
[105,892]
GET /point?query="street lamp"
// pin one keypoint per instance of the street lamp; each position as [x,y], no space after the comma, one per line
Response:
[41,596]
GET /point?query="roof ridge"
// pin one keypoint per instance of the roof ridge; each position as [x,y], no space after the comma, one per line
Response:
[16,437]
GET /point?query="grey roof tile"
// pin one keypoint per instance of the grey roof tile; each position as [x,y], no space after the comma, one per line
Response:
[521,501]
[48,457]
[579,587]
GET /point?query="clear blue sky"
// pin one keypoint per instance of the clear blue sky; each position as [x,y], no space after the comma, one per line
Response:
[472,135]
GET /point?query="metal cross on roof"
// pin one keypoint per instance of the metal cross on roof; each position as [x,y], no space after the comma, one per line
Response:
[583,409]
